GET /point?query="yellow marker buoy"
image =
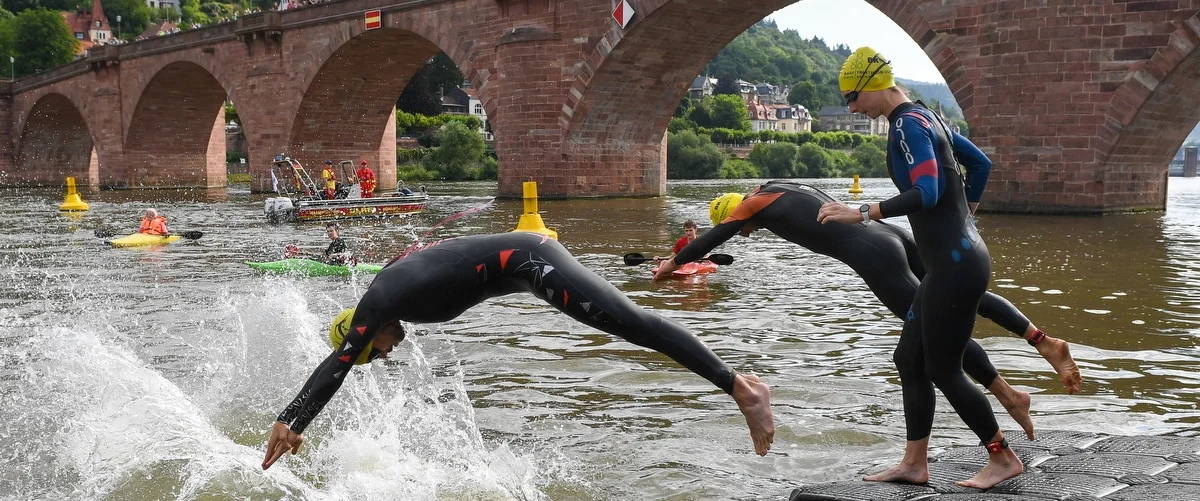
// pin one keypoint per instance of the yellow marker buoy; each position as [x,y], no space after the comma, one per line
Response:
[72,201]
[855,187]
[531,221]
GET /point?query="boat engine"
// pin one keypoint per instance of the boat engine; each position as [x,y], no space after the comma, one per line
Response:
[279,210]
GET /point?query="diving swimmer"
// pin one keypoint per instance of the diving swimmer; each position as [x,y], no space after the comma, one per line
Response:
[439,281]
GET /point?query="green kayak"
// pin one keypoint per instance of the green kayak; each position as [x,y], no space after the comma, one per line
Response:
[313,268]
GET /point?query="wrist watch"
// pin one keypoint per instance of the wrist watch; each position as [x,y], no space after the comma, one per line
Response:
[865,209]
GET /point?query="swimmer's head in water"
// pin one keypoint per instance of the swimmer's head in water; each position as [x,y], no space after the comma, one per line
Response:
[722,206]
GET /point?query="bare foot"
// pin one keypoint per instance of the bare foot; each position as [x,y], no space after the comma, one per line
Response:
[1058,353]
[753,398]
[903,473]
[1001,466]
[1017,404]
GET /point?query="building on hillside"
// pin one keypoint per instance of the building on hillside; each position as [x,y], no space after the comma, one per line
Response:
[460,101]
[771,94]
[840,118]
[154,4]
[746,90]
[159,29]
[762,117]
[792,118]
[702,86]
[91,28]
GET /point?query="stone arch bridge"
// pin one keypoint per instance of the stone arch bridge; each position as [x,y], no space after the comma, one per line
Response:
[1080,103]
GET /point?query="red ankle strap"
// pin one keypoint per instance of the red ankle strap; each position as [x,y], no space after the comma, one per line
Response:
[1037,337]
[997,446]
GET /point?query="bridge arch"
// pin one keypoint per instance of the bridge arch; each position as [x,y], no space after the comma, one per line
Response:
[55,142]
[175,135]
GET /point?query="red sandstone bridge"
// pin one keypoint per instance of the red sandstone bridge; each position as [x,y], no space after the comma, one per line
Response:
[1081,104]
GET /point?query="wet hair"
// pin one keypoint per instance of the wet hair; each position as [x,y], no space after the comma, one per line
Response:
[334,225]
[689,224]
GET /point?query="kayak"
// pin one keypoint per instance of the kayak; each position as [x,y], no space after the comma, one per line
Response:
[142,240]
[695,268]
[312,268]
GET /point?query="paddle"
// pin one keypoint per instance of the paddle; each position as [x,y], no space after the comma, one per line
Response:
[109,231]
[634,259]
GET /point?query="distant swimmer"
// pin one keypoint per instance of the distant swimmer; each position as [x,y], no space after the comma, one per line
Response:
[439,281]
[941,177]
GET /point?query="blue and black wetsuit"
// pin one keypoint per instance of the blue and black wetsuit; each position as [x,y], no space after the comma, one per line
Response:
[440,281]
[884,255]
[924,160]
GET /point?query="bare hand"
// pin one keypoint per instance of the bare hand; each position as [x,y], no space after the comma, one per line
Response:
[837,212]
[280,440]
[664,270]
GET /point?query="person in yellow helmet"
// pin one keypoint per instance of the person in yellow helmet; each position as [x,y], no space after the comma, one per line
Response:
[941,177]
[440,281]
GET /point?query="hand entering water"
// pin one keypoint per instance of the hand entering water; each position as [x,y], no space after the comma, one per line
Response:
[280,440]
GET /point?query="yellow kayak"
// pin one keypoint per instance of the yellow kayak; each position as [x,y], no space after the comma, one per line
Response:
[142,240]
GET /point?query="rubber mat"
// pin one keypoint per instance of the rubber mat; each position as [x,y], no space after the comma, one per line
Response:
[1188,473]
[1156,492]
[978,456]
[860,491]
[1148,446]
[1105,465]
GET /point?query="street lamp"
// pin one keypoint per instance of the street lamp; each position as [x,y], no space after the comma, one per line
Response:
[118,27]
[12,68]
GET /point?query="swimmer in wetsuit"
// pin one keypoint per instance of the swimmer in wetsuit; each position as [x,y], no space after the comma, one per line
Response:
[440,281]
[925,160]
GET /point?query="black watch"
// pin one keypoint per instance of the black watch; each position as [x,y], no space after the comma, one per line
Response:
[865,209]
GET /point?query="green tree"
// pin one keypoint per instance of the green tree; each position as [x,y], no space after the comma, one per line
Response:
[135,16]
[729,111]
[190,13]
[458,153]
[692,156]
[424,91]
[816,161]
[871,160]
[231,114]
[41,40]
[776,160]
[737,168]
[678,124]
[806,94]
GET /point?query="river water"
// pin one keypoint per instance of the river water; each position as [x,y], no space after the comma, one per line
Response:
[154,373]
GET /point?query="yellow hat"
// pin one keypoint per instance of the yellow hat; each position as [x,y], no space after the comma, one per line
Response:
[865,70]
[722,206]
[337,334]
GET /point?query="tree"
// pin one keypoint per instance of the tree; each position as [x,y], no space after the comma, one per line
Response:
[806,94]
[737,168]
[692,156]
[776,160]
[41,40]
[458,152]
[424,91]
[817,161]
[190,13]
[135,15]
[729,112]
[871,160]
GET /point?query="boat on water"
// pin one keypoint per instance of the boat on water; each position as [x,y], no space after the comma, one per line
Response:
[301,198]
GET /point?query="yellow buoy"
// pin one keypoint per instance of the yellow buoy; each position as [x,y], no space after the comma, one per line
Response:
[531,221]
[72,201]
[855,187]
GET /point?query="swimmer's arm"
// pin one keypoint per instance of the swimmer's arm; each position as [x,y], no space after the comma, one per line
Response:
[978,167]
[317,391]
[705,243]
[919,166]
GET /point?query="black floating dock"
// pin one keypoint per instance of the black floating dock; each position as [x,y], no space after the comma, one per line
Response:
[1059,465]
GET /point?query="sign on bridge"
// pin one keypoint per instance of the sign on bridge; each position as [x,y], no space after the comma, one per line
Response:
[374,19]
[623,13]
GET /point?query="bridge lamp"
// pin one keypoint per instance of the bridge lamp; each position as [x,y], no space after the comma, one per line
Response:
[118,26]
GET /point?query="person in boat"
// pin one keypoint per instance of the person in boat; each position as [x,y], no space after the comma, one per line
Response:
[439,281]
[366,179]
[153,223]
[689,234]
[330,180]
[337,253]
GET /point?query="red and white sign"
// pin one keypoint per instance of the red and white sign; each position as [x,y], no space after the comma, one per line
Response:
[623,13]
[374,19]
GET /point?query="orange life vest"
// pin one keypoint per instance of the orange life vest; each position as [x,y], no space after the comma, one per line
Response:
[156,226]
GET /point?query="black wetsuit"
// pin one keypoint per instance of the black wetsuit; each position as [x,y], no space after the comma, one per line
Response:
[438,282]
[925,161]
[337,246]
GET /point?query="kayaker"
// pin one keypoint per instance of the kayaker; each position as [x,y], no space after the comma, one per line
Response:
[366,179]
[330,180]
[337,253]
[153,223]
[439,281]
[689,234]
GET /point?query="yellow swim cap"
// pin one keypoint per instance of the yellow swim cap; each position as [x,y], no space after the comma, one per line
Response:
[721,206]
[337,334]
[865,70]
